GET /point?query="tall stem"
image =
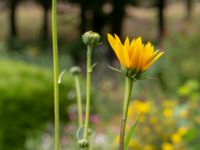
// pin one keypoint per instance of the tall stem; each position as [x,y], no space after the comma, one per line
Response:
[89,70]
[55,66]
[79,104]
[128,89]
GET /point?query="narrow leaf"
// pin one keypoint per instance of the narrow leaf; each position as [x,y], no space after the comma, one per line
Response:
[115,69]
[93,65]
[80,133]
[130,133]
[60,77]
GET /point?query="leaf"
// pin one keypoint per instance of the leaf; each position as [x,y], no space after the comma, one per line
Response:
[60,77]
[115,69]
[93,66]
[80,133]
[146,78]
[130,133]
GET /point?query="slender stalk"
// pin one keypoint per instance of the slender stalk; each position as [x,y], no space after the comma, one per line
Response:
[55,66]
[89,71]
[128,89]
[79,104]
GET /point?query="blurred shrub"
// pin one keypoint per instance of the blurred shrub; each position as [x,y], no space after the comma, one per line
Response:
[26,102]
[180,62]
[183,52]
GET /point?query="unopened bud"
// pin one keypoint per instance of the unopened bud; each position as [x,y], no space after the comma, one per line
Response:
[75,70]
[91,38]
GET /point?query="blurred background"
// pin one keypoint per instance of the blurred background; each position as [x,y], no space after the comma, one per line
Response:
[170,103]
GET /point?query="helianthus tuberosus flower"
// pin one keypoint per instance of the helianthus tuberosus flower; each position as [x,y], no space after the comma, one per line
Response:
[134,55]
[135,58]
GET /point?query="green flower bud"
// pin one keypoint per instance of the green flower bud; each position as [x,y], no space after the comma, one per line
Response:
[91,38]
[75,70]
[83,143]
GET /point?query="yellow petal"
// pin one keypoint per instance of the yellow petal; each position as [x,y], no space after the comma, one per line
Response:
[117,48]
[139,40]
[152,61]
[127,43]
[118,39]
[149,48]
[126,51]
[149,55]
[137,51]
[123,54]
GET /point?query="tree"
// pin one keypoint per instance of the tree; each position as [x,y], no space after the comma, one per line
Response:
[13,6]
[46,5]
[161,23]
[189,8]
[117,16]
[98,20]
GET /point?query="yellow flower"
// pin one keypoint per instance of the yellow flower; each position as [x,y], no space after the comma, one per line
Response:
[167,112]
[184,113]
[153,120]
[134,54]
[140,107]
[182,130]
[116,139]
[132,143]
[146,130]
[167,146]
[148,147]
[169,103]
[176,138]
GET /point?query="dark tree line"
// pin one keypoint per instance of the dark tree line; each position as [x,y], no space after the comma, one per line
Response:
[99,18]
[12,4]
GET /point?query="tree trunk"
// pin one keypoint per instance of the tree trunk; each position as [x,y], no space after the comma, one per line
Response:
[13,7]
[189,8]
[98,22]
[117,16]
[83,17]
[45,30]
[161,21]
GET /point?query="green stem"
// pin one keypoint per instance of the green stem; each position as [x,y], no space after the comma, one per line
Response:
[128,89]
[89,71]
[55,66]
[79,104]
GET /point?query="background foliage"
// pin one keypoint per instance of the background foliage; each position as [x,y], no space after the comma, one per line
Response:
[26,102]
[170,102]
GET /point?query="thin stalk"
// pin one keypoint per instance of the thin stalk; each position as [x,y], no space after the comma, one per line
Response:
[55,66]
[128,89]
[89,71]
[79,104]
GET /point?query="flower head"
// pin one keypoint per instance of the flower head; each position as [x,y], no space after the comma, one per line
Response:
[167,146]
[91,38]
[134,55]
[75,70]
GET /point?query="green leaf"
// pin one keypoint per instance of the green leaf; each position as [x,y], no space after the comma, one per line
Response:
[60,76]
[80,133]
[147,78]
[115,69]
[130,133]
[93,66]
